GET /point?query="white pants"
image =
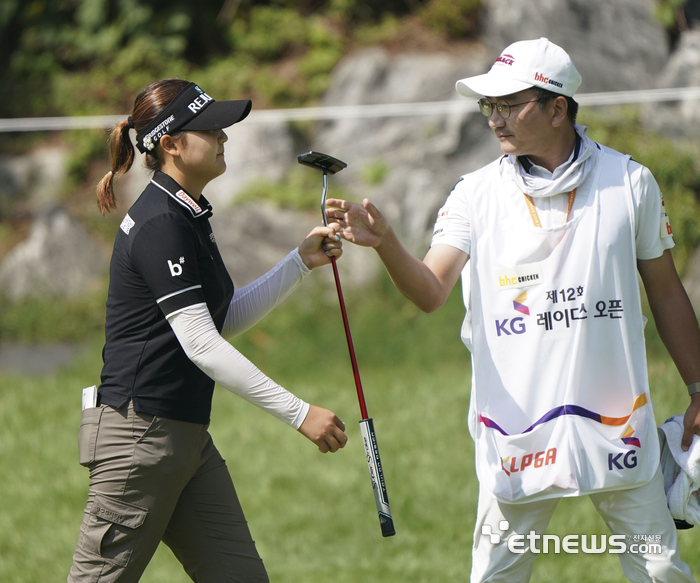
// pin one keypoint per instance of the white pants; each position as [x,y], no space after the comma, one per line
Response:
[635,511]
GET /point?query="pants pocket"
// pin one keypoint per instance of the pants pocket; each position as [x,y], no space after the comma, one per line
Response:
[143,425]
[87,434]
[111,529]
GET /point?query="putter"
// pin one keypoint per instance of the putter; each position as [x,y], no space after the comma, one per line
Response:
[330,165]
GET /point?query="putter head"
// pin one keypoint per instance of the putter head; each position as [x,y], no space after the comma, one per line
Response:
[328,164]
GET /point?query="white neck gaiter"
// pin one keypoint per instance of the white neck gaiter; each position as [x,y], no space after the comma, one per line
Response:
[561,181]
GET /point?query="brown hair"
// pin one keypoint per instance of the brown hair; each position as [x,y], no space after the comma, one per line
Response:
[147,106]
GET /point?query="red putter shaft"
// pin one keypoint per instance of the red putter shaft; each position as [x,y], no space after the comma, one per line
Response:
[351,348]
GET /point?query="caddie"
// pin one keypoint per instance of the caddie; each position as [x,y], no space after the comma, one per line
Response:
[549,239]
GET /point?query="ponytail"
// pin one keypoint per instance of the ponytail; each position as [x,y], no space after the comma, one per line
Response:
[121,153]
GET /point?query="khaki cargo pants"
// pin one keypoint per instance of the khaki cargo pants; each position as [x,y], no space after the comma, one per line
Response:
[154,479]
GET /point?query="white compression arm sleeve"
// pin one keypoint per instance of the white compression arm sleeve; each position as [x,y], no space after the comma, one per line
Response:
[254,301]
[204,346]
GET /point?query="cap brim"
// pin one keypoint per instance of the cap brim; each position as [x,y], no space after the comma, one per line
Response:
[219,115]
[490,85]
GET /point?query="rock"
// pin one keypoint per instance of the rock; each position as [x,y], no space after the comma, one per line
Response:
[615,45]
[682,70]
[253,237]
[254,151]
[424,155]
[58,259]
[33,179]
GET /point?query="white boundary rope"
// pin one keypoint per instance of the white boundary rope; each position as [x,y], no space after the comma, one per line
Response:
[37,124]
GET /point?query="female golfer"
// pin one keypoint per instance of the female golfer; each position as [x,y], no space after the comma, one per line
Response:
[155,473]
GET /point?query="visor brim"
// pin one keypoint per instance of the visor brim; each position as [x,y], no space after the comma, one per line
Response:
[490,85]
[219,115]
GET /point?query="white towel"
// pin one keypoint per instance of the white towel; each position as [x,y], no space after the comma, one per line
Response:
[681,470]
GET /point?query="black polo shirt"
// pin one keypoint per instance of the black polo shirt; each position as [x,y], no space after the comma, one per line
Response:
[165,259]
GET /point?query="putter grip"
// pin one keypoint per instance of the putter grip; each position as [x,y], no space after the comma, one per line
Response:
[369,439]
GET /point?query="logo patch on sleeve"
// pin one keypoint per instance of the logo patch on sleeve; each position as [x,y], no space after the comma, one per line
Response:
[443,217]
[127,223]
[666,230]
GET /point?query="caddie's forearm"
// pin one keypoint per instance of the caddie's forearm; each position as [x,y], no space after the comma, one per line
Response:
[673,314]
[678,328]
[411,276]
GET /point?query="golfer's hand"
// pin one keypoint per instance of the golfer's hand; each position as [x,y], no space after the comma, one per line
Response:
[320,245]
[691,422]
[324,428]
[361,224]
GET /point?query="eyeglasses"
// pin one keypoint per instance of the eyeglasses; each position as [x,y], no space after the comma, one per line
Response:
[504,108]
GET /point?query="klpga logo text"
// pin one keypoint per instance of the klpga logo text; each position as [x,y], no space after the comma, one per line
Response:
[537,460]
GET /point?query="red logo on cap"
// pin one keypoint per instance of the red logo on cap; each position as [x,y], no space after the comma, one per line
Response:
[506,59]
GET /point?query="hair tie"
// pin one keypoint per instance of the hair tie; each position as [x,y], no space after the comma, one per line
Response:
[130,122]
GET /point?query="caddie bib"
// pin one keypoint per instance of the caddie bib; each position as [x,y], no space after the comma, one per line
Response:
[560,399]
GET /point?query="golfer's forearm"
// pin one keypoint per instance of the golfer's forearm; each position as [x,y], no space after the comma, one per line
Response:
[254,301]
[205,347]
[411,276]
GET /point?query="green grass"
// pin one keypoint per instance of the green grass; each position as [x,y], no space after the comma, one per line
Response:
[312,515]
[35,321]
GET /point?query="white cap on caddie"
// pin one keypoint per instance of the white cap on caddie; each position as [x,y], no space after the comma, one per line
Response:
[525,64]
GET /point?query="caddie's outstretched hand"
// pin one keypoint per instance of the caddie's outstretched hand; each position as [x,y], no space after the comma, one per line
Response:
[324,428]
[361,224]
[691,422]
